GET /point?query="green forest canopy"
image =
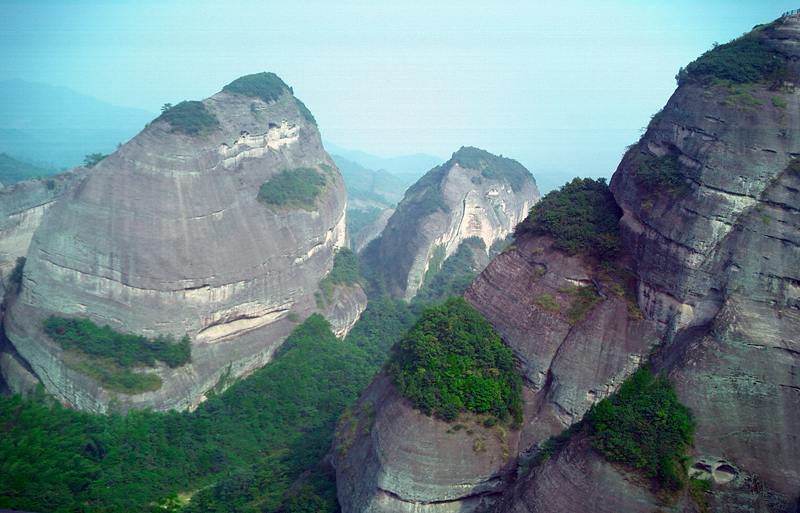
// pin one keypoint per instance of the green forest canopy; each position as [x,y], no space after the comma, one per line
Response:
[452,361]
[644,426]
[582,217]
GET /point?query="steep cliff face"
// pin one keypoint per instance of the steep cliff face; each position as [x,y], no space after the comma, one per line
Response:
[710,198]
[704,287]
[474,194]
[194,227]
[22,207]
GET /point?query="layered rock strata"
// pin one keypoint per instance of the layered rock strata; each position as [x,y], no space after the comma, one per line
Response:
[167,236]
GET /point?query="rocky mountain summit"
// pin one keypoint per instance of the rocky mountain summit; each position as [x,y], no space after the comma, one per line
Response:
[213,226]
[474,194]
[692,269]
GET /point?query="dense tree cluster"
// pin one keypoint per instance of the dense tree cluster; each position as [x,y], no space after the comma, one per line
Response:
[644,426]
[190,117]
[254,447]
[293,188]
[582,217]
[452,361]
[265,86]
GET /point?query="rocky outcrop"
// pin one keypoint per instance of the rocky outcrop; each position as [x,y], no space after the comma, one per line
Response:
[360,240]
[345,308]
[22,207]
[710,198]
[706,289]
[391,458]
[474,194]
[167,236]
[568,361]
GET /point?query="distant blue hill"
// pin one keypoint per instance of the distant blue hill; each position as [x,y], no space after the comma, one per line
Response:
[409,167]
[59,126]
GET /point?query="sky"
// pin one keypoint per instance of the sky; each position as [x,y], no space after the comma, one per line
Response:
[562,86]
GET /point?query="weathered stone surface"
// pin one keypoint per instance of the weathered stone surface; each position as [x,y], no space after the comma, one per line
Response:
[716,267]
[578,479]
[347,305]
[567,365]
[166,236]
[22,207]
[370,232]
[447,205]
[717,264]
[391,458]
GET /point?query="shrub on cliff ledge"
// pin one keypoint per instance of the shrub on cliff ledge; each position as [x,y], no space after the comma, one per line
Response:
[295,188]
[743,60]
[126,350]
[190,117]
[581,216]
[644,426]
[453,361]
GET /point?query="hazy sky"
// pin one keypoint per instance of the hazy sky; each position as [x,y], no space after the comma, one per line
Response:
[562,86]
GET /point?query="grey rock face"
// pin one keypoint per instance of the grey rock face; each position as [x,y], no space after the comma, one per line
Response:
[372,231]
[567,364]
[717,265]
[22,207]
[166,236]
[450,203]
[391,458]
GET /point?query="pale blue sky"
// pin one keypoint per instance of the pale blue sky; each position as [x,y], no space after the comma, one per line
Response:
[562,86]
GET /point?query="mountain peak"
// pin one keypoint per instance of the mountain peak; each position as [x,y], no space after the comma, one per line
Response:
[266,86]
[492,167]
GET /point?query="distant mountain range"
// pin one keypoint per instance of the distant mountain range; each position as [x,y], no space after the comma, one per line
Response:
[59,126]
[409,167]
[13,170]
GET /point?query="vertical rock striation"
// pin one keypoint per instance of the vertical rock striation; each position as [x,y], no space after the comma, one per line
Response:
[474,194]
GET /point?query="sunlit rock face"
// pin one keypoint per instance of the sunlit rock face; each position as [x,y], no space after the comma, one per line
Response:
[474,194]
[167,236]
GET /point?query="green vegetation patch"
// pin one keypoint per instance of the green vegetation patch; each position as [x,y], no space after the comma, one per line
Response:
[293,188]
[660,174]
[547,302]
[92,159]
[425,194]
[190,117]
[265,86]
[358,219]
[125,350]
[242,450]
[452,361]
[584,299]
[748,59]
[345,271]
[111,374]
[492,167]
[644,426]
[581,216]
